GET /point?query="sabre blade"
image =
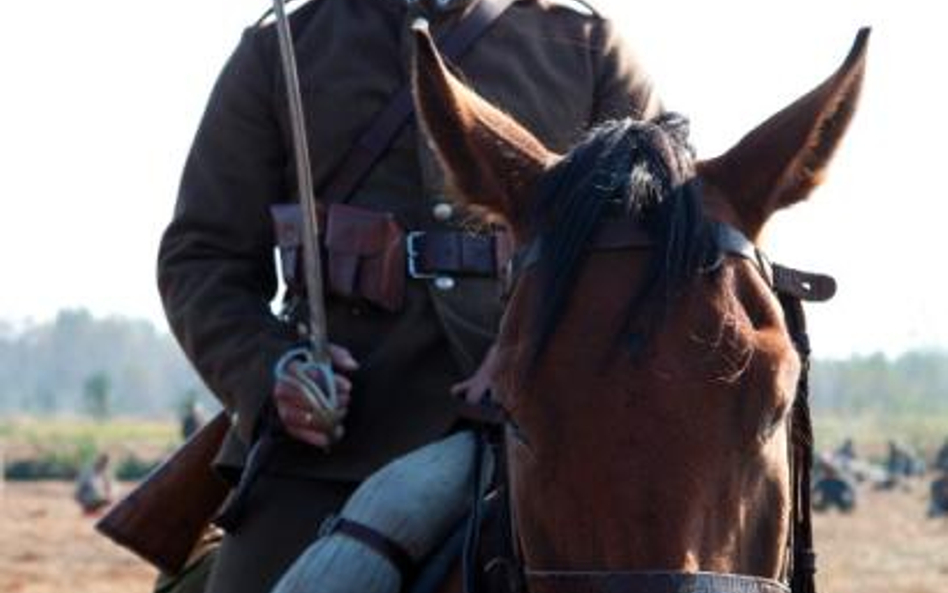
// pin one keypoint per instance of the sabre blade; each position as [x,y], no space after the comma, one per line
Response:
[312,268]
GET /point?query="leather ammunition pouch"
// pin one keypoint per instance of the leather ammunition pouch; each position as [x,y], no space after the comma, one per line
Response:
[363,252]
[368,254]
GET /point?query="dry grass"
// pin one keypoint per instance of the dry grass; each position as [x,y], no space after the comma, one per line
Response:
[26,437]
[47,546]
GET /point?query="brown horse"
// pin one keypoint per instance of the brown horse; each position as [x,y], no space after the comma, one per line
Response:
[644,360]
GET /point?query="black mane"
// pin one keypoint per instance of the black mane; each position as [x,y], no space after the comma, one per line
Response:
[639,170]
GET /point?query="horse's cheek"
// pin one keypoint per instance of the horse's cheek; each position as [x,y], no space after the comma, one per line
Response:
[777,367]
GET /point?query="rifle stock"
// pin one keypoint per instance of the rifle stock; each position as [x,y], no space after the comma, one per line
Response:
[163,517]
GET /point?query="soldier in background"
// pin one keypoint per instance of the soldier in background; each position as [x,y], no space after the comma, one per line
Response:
[832,488]
[94,490]
[939,496]
[192,419]
[846,451]
[941,459]
[903,462]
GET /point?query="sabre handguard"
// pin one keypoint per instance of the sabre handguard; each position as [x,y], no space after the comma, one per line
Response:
[316,381]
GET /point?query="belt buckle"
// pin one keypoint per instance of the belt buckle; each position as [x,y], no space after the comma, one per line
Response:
[413,252]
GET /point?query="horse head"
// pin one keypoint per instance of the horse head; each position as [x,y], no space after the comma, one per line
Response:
[649,380]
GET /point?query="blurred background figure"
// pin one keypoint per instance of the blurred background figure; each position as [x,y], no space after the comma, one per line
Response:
[831,487]
[846,451]
[192,419]
[939,496]
[846,461]
[94,489]
[941,458]
[902,463]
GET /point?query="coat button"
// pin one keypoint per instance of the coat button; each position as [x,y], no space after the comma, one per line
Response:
[442,211]
[420,24]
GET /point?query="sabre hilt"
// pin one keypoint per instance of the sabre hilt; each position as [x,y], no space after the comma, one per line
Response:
[316,381]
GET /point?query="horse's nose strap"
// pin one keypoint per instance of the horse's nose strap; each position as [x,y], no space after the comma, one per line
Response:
[543,581]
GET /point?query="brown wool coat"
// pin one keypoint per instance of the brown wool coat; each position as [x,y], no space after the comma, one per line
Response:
[555,68]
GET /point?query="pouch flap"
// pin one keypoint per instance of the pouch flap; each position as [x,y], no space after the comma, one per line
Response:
[359,231]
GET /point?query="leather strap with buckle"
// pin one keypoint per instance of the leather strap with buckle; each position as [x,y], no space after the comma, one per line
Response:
[453,253]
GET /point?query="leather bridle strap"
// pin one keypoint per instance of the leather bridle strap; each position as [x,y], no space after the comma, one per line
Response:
[803,556]
[792,287]
[611,235]
[805,286]
[540,581]
[625,233]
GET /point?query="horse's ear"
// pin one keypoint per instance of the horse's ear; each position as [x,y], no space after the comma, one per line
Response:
[490,159]
[780,162]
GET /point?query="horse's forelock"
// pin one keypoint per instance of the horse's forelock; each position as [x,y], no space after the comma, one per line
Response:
[637,169]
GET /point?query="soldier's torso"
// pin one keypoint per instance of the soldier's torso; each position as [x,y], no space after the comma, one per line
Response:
[353,55]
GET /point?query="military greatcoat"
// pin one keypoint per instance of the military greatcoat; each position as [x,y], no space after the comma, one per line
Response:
[555,66]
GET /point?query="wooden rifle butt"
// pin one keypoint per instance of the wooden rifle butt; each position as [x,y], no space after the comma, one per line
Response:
[163,517]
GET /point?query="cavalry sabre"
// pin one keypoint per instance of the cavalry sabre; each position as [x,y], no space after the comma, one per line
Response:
[313,359]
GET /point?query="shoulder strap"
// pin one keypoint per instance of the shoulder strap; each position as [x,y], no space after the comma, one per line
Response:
[377,137]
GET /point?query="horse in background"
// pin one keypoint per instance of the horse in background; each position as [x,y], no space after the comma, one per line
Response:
[645,362]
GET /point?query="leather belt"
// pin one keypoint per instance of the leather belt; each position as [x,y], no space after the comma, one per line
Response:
[454,253]
[430,254]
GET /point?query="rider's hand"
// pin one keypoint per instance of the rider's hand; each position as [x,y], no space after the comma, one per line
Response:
[474,388]
[295,410]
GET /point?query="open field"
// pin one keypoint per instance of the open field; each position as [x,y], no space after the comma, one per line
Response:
[74,437]
[924,432]
[47,546]
[26,436]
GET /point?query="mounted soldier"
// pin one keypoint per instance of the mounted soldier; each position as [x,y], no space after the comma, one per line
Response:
[411,298]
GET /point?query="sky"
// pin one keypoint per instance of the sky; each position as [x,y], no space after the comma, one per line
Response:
[101,100]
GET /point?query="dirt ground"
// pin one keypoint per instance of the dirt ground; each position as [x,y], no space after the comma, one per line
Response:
[887,545]
[46,546]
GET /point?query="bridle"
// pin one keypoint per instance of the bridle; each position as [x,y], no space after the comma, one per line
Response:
[791,287]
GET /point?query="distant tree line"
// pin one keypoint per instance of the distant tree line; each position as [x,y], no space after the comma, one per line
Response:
[914,383]
[99,367]
[117,366]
